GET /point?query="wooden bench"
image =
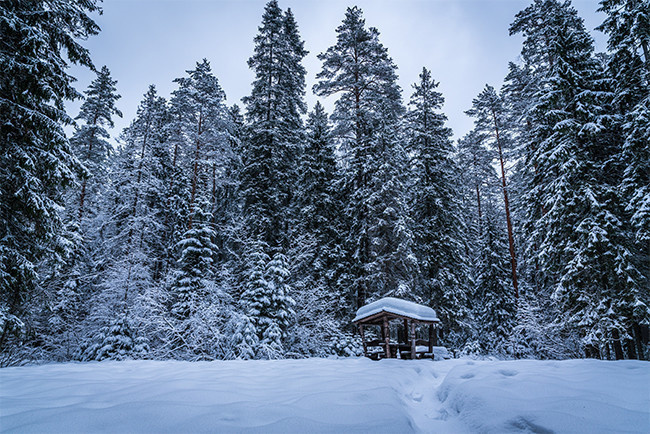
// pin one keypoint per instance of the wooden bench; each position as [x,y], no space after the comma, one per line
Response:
[405,350]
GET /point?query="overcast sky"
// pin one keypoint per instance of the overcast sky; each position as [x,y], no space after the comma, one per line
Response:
[464,43]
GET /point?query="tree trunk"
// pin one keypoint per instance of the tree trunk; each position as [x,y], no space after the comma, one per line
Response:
[363,340]
[638,340]
[631,350]
[82,198]
[511,240]
[478,201]
[618,349]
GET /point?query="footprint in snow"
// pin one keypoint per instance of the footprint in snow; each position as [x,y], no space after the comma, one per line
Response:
[467,376]
[508,372]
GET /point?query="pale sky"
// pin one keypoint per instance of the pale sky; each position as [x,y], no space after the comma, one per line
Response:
[464,43]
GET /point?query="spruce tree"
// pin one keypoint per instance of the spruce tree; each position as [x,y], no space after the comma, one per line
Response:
[437,210]
[495,305]
[317,258]
[193,288]
[36,161]
[320,206]
[273,109]
[267,300]
[578,237]
[627,25]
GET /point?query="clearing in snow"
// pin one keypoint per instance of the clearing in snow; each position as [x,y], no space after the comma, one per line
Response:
[328,395]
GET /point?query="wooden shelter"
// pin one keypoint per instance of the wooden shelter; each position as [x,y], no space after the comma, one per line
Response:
[407,314]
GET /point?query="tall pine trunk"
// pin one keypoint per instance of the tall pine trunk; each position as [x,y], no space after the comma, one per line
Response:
[511,240]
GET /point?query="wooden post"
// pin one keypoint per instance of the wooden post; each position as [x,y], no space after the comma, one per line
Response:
[413,355]
[363,340]
[387,337]
[406,332]
[435,336]
[431,338]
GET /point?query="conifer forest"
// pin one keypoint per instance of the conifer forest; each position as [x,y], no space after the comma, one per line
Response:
[210,230]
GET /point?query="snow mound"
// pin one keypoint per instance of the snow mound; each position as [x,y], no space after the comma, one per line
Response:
[579,396]
[398,307]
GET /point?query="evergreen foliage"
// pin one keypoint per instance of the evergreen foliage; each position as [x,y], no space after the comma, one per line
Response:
[437,211]
[207,232]
[36,161]
[367,116]
[273,109]
[579,237]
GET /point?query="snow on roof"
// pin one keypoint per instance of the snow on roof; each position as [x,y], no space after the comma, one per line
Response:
[397,307]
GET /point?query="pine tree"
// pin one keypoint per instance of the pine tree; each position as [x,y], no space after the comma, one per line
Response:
[274,109]
[490,118]
[89,141]
[367,116]
[437,211]
[200,130]
[36,159]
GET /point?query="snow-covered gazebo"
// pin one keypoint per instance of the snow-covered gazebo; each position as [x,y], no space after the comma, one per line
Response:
[382,312]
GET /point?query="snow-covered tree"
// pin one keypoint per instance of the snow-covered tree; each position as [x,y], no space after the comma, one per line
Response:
[36,160]
[267,300]
[439,226]
[628,28]
[89,140]
[577,231]
[117,341]
[196,253]
[494,301]
[200,131]
[367,114]
[271,151]
[490,116]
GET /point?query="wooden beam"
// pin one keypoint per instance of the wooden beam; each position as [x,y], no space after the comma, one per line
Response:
[387,337]
[378,317]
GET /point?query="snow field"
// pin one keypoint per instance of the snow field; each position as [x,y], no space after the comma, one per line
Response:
[327,395]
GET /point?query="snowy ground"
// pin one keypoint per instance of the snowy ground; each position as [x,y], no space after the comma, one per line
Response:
[316,395]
